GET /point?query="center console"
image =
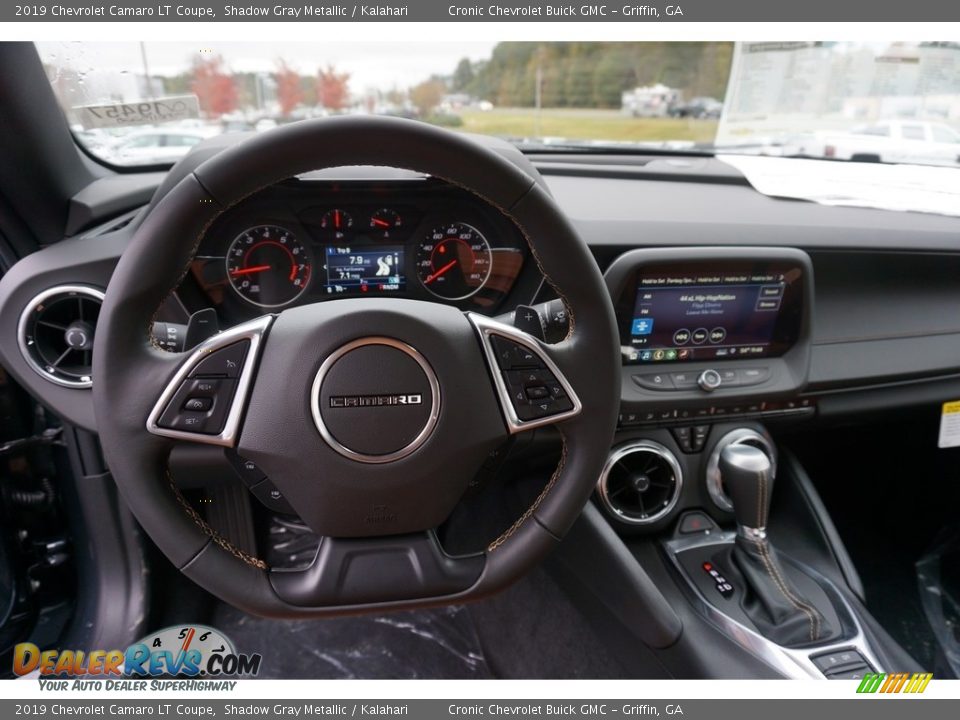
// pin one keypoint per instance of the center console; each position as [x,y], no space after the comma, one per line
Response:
[715,346]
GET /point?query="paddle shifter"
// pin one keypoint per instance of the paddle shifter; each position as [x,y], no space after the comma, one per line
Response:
[771,599]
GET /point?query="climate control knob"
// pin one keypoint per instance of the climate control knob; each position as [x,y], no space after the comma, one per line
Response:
[709,380]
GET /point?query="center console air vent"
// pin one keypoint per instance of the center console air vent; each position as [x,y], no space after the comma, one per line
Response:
[640,482]
[56,333]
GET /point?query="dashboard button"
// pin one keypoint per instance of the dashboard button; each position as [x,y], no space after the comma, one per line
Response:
[654,381]
[754,376]
[709,380]
[684,380]
[730,377]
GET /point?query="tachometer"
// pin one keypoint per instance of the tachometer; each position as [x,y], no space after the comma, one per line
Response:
[454,261]
[268,266]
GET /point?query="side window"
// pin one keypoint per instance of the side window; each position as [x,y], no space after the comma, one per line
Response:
[880,130]
[945,135]
[145,141]
[914,132]
[181,140]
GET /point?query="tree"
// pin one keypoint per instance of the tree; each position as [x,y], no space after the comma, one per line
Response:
[213,86]
[332,88]
[289,90]
[427,95]
[463,75]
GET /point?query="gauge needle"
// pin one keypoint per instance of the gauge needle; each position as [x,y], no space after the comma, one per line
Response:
[380,223]
[438,273]
[250,270]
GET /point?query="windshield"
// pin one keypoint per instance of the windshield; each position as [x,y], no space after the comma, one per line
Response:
[148,103]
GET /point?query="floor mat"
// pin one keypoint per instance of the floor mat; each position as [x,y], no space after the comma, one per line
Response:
[889,491]
[938,577]
[438,644]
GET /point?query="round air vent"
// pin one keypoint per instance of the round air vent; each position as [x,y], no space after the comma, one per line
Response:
[641,482]
[56,333]
[740,436]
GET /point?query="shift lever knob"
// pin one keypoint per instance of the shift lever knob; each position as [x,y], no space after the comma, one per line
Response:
[747,476]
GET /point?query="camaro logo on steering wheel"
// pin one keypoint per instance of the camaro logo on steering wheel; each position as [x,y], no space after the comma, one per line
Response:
[345,401]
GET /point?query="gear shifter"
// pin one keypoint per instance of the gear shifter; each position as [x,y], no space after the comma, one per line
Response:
[772,601]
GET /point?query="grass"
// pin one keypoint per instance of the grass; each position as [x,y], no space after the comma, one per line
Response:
[585,124]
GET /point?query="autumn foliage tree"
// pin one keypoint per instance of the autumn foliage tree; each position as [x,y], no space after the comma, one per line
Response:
[214,86]
[332,88]
[289,89]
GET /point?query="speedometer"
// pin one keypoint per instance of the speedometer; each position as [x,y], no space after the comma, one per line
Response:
[454,261]
[268,266]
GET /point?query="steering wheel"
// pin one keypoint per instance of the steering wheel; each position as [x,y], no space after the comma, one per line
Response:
[370,415]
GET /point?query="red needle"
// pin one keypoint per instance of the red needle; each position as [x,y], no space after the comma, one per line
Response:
[250,270]
[438,273]
[336,219]
[380,223]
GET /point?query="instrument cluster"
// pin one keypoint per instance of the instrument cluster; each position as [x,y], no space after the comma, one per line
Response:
[305,242]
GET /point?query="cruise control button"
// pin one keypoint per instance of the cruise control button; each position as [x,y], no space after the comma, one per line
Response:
[225,362]
[200,405]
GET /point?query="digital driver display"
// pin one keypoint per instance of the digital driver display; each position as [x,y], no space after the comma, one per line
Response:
[684,315]
[364,269]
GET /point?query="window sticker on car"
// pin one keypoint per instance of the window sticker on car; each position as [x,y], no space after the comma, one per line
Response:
[949,425]
[147,112]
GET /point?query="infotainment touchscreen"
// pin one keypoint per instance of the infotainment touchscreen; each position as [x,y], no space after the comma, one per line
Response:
[686,313]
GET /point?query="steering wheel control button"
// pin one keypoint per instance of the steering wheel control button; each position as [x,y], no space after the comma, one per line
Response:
[246,469]
[654,381]
[375,400]
[226,362]
[536,394]
[511,355]
[709,380]
[268,494]
[199,405]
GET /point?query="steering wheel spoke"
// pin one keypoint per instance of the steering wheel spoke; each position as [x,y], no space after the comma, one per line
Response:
[204,400]
[363,571]
[532,389]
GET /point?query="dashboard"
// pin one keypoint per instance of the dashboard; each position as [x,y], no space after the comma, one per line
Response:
[868,299]
[307,241]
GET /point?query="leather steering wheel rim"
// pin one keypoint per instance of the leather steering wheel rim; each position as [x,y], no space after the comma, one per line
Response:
[130,370]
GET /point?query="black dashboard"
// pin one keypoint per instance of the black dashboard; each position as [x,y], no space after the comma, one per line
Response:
[870,322]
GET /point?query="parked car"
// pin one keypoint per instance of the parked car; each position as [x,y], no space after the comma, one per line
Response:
[157,146]
[701,108]
[891,141]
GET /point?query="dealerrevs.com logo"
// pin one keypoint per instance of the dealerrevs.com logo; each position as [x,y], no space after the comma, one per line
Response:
[182,652]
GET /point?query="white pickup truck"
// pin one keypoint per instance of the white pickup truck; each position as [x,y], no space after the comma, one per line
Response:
[889,141]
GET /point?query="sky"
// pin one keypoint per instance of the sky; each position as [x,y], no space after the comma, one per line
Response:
[377,64]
